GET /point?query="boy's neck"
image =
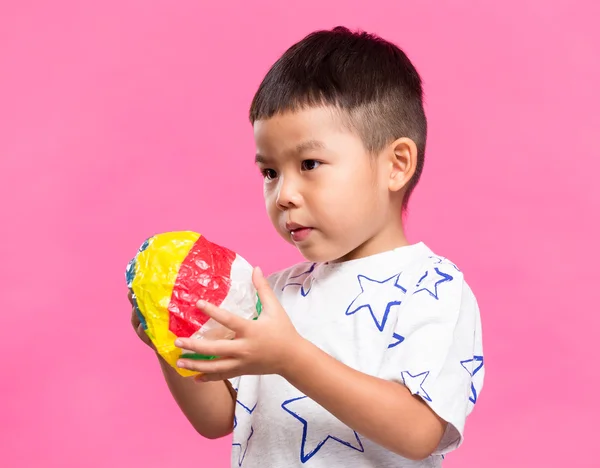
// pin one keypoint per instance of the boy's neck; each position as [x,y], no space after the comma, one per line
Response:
[389,238]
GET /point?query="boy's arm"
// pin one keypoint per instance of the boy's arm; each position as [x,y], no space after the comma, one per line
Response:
[383,411]
[209,407]
[425,387]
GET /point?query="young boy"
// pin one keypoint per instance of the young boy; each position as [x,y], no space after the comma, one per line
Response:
[369,354]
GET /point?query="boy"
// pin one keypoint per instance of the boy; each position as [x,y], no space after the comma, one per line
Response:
[369,354]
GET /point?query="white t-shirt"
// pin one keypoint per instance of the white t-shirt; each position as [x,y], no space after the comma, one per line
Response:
[405,315]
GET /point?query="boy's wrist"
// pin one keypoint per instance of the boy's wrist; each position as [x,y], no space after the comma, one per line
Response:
[294,360]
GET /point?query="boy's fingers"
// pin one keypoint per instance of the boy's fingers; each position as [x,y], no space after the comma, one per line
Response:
[144,336]
[224,348]
[215,377]
[135,320]
[220,367]
[262,287]
[224,317]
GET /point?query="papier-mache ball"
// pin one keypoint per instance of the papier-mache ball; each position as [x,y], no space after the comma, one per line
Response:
[170,273]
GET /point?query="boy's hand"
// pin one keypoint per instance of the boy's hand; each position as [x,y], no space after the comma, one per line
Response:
[137,325]
[260,347]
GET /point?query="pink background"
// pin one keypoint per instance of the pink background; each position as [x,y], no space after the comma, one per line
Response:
[119,119]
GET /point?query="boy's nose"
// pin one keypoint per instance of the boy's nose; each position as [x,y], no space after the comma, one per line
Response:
[287,195]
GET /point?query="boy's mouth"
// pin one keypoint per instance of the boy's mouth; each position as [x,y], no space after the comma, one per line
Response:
[298,232]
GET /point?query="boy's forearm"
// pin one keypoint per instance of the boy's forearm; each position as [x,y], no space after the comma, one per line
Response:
[209,406]
[383,411]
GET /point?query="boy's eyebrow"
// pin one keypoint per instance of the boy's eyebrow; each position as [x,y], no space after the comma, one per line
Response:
[308,145]
[259,159]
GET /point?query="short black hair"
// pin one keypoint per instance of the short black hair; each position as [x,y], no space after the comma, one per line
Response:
[370,80]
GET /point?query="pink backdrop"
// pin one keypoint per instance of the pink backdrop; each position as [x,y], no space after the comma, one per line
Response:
[119,119]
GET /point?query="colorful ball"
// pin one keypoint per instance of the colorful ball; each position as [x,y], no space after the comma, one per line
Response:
[170,273]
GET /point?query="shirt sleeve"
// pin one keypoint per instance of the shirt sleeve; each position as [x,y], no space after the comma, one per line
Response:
[436,351]
[235,382]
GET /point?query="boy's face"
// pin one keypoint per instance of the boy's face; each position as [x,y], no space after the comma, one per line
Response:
[323,191]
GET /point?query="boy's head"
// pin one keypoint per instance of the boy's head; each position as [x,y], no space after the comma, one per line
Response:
[340,131]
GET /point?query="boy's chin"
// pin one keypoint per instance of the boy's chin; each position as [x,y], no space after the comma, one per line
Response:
[316,251]
[317,254]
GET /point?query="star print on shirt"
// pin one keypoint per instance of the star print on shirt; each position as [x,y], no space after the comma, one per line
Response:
[375,296]
[242,440]
[319,426]
[443,261]
[397,340]
[437,278]
[307,278]
[414,381]
[476,364]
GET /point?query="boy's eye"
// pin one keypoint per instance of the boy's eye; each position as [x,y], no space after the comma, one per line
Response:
[269,174]
[310,165]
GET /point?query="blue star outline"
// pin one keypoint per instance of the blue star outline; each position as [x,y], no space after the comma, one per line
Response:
[365,280]
[398,339]
[303,292]
[445,277]
[304,457]
[477,366]
[244,448]
[421,392]
[443,261]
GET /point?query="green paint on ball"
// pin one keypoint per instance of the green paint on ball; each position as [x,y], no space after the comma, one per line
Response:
[258,307]
[198,357]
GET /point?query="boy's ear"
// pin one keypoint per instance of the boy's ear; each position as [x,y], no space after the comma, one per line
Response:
[403,159]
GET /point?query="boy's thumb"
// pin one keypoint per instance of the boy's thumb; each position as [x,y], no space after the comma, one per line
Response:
[262,286]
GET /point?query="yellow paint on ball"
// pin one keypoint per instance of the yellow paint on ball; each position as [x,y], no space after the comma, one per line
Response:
[156,269]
